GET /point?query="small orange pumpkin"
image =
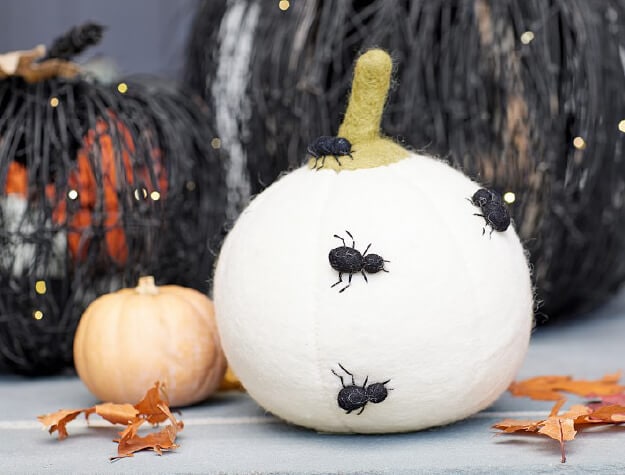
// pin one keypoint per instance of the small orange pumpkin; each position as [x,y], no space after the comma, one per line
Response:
[128,339]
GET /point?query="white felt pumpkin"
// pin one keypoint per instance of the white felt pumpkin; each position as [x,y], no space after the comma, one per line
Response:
[447,326]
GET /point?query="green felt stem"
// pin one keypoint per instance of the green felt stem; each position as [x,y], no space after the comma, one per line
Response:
[361,125]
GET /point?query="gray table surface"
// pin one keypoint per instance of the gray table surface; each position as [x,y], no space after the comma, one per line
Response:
[231,434]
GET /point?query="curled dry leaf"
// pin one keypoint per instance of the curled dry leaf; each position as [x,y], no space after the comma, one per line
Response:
[116,413]
[610,409]
[615,399]
[550,388]
[148,407]
[230,382]
[25,65]
[57,421]
[153,409]
[558,427]
[130,442]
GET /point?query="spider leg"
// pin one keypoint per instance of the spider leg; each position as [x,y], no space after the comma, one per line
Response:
[340,280]
[315,156]
[343,368]
[339,237]
[338,376]
[353,240]
[364,275]
[349,282]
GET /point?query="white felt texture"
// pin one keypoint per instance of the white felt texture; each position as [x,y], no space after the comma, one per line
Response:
[449,324]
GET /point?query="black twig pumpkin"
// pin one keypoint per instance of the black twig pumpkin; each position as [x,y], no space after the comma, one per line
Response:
[513,92]
[99,184]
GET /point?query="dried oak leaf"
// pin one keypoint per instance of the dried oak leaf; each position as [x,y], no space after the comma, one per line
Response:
[614,399]
[116,413]
[56,421]
[148,407]
[25,65]
[613,413]
[610,409]
[230,382]
[549,388]
[153,408]
[558,427]
[130,442]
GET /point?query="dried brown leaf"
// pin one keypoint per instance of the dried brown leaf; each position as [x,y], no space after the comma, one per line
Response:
[56,421]
[607,413]
[116,413]
[550,388]
[613,399]
[157,441]
[26,65]
[610,409]
[560,429]
[130,442]
[516,425]
[153,408]
[148,407]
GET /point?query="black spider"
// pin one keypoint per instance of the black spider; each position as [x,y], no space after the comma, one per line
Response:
[349,260]
[494,211]
[483,196]
[354,397]
[326,145]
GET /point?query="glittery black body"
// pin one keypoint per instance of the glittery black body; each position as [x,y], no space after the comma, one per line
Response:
[352,397]
[496,215]
[349,260]
[494,211]
[346,259]
[483,196]
[327,145]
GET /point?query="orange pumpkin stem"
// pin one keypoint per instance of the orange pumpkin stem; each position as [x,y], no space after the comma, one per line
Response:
[147,286]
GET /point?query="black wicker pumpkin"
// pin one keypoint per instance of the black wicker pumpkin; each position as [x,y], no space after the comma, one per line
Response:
[523,95]
[100,184]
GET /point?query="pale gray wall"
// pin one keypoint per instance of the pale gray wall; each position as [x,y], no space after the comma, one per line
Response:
[144,36]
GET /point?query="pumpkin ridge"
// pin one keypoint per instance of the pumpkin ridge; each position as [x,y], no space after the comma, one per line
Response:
[189,298]
[323,217]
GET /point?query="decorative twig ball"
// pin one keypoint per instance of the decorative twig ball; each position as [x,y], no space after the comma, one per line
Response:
[512,92]
[130,338]
[99,183]
[374,289]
